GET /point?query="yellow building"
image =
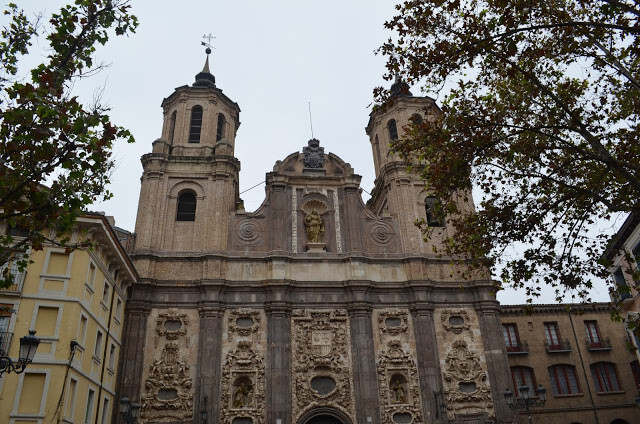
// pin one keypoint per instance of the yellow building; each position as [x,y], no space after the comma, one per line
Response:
[75,301]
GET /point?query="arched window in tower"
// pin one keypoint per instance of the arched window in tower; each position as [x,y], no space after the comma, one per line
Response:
[416,118]
[221,124]
[196,124]
[433,209]
[186,206]
[393,129]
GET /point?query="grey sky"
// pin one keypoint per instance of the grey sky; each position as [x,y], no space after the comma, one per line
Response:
[272,58]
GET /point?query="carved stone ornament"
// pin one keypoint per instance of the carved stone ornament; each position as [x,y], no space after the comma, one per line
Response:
[243,322]
[250,231]
[313,154]
[455,320]
[243,385]
[398,384]
[321,362]
[393,322]
[167,395]
[172,324]
[315,227]
[466,389]
[381,233]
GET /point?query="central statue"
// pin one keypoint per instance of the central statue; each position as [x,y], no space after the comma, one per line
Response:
[314,226]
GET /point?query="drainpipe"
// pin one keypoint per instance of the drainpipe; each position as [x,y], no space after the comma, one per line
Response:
[584,370]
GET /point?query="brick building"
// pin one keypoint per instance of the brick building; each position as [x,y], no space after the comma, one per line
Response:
[579,355]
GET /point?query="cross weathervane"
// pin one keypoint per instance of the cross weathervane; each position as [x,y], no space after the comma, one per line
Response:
[207,37]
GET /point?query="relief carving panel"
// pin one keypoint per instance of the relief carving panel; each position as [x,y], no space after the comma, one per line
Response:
[243,369]
[398,381]
[464,369]
[168,381]
[321,362]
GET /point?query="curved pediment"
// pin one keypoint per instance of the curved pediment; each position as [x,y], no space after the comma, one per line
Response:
[313,161]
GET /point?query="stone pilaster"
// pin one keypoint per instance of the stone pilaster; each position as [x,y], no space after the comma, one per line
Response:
[428,362]
[209,362]
[134,335]
[364,361]
[497,364]
[278,361]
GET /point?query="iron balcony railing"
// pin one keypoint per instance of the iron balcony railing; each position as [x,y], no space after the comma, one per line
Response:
[522,347]
[601,344]
[562,346]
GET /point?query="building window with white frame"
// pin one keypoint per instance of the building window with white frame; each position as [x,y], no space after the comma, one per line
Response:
[97,353]
[89,411]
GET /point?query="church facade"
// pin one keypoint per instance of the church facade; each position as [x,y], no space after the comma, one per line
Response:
[315,308]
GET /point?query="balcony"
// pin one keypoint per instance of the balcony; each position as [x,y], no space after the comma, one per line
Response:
[521,348]
[600,345]
[563,346]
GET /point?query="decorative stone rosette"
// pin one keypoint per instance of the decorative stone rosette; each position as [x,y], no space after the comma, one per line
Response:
[243,369]
[398,382]
[168,393]
[321,362]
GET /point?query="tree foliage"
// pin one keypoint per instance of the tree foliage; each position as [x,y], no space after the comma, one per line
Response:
[539,114]
[55,152]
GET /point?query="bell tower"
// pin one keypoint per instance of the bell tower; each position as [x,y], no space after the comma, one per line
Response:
[190,181]
[398,192]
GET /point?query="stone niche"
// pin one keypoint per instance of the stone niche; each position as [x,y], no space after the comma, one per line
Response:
[168,374]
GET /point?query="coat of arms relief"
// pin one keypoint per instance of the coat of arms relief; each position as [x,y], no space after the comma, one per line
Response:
[321,361]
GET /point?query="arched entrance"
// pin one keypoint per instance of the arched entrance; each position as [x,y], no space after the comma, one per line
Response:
[324,419]
[324,415]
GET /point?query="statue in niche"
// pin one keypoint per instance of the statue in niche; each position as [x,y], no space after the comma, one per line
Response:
[398,390]
[314,226]
[241,395]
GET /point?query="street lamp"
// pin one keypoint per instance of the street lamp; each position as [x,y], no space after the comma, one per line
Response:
[524,401]
[129,410]
[28,346]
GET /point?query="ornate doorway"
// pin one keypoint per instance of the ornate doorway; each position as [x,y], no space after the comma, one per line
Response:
[324,419]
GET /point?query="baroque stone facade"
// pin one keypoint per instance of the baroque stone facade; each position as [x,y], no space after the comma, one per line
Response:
[315,308]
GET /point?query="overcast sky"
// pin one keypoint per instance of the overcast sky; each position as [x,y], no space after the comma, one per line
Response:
[272,58]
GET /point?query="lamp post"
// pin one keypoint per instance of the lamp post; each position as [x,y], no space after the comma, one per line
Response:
[28,346]
[524,401]
[129,410]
